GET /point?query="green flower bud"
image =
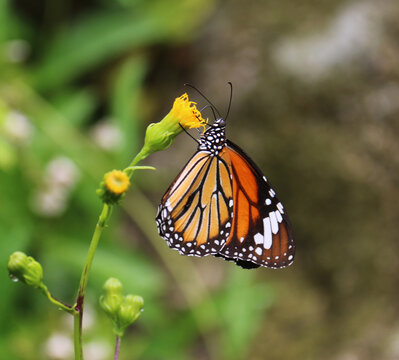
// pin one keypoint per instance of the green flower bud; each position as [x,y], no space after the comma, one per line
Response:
[157,137]
[129,311]
[16,264]
[112,298]
[26,269]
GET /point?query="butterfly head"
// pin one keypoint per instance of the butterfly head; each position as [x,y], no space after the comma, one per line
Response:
[219,123]
[214,138]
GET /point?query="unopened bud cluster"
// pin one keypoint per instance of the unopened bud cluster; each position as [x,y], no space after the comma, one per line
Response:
[123,310]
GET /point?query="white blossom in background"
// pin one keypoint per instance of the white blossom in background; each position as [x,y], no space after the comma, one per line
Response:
[107,135]
[60,178]
[49,202]
[354,32]
[62,172]
[89,320]
[97,350]
[59,347]
[16,51]
[17,127]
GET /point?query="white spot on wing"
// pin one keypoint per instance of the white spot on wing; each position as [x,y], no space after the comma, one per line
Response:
[280,207]
[268,201]
[279,217]
[258,250]
[273,222]
[258,239]
[267,233]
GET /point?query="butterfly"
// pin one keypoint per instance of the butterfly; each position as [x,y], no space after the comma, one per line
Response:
[221,204]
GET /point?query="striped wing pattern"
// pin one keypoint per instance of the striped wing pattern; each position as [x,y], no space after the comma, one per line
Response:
[195,214]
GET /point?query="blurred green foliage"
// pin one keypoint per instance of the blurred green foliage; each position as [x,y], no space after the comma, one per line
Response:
[60,79]
[315,105]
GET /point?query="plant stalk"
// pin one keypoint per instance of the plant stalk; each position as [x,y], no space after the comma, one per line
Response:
[140,156]
[117,347]
[78,315]
[68,308]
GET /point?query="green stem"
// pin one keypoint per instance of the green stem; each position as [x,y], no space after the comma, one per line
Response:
[104,216]
[77,337]
[56,302]
[140,156]
[132,168]
[78,315]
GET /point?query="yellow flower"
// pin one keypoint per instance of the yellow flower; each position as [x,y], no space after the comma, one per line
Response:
[185,113]
[113,187]
[117,182]
[160,135]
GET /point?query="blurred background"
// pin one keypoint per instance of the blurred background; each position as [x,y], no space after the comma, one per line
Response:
[316,105]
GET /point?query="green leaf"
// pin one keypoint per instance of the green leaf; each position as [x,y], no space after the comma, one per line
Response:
[125,103]
[242,305]
[137,274]
[15,229]
[172,341]
[76,106]
[8,156]
[103,36]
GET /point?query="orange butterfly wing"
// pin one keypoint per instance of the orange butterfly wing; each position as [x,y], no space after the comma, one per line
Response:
[261,234]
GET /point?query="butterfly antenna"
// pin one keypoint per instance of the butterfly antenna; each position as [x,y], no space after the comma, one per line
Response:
[231,97]
[213,110]
[192,137]
[199,92]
